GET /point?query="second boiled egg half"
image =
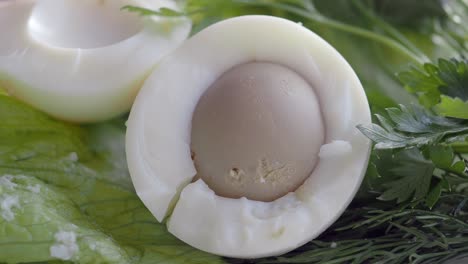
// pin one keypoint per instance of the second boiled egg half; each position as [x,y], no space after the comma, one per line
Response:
[83,60]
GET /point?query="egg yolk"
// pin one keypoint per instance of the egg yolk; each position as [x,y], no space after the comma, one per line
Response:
[256,132]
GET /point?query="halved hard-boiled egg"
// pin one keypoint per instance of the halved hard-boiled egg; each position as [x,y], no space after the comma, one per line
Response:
[244,139]
[83,60]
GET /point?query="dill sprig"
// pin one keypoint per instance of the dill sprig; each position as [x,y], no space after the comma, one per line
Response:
[379,234]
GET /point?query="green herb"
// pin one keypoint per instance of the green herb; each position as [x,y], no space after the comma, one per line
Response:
[411,127]
[415,174]
[441,86]
[452,107]
[64,178]
[378,233]
[429,141]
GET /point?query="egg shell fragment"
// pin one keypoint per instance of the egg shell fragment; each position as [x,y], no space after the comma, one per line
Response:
[81,84]
[158,140]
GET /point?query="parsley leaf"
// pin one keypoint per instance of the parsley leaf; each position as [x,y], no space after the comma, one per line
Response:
[443,87]
[414,151]
[415,174]
[452,107]
[454,76]
[425,84]
[410,127]
[444,158]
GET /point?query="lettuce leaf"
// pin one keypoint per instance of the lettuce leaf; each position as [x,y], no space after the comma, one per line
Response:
[65,195]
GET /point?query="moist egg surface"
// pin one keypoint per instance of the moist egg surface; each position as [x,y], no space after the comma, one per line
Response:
[165,139]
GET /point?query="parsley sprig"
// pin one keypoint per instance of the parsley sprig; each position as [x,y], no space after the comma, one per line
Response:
[413,127]
[428,146]
[442,87]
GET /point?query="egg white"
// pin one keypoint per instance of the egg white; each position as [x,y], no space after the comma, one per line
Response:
[159,134]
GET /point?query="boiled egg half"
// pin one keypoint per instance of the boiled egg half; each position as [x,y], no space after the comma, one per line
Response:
[83,60]
[244,139]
